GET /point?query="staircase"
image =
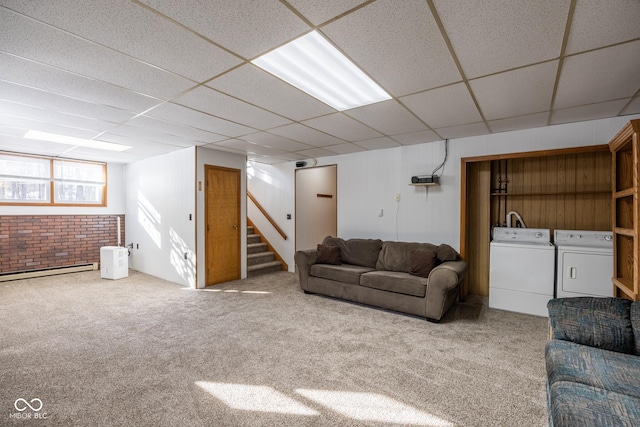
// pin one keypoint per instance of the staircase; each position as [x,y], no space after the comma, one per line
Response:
[259,259]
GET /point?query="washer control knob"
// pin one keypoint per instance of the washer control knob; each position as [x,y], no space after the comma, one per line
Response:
[608,237]
[538,234]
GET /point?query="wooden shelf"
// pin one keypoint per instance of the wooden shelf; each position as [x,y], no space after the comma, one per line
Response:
[624,231]
[552,193]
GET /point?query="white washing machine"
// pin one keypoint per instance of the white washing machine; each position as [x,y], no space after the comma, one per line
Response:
[521,270]
[584,263]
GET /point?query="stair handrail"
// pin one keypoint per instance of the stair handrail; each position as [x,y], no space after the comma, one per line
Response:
[266,215]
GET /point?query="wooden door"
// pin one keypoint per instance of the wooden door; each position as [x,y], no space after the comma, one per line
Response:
[316,205]
[222,217]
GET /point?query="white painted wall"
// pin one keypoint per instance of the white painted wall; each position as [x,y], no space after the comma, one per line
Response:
[160,196]
[369,182]
[206,156]
[115,199]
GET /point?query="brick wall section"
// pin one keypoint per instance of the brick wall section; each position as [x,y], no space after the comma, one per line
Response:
[34,242]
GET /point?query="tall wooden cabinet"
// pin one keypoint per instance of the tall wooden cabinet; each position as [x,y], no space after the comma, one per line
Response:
[625,180]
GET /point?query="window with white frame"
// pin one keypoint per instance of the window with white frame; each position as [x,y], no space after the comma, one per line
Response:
[41,181]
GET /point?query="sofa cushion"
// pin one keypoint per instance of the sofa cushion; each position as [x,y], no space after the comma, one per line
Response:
[597,322]
[574,404]
[362,252]
[610,370]
[422,261]
[635,324]
[394,281]
[345,273]
[394,256]
[446,253]
[328,255]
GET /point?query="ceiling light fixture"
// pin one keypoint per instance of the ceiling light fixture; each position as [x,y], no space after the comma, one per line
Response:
[315,66]
[69,140]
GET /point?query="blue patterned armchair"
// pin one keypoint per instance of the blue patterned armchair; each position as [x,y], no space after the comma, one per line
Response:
[593,362]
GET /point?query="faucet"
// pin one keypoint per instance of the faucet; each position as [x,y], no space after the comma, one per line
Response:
[510,214]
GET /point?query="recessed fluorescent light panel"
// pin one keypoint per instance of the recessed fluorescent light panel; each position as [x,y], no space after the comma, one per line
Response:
[61,139]
[315,66]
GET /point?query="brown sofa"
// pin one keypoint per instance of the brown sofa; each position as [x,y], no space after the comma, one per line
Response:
[415,278]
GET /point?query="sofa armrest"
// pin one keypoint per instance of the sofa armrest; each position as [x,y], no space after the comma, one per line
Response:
[596,322]
[304,260]
[443,281]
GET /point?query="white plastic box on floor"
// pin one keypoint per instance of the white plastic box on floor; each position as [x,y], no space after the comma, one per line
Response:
[114,262]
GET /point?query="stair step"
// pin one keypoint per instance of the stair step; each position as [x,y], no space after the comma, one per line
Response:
[250,230]
[253,248]
[260,258]
[253,238]
[267,267]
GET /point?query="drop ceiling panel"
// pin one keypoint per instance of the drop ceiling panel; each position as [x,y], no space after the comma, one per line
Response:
[247,147]
[463,131]
[318,152]
[29,124]
[188,117]
[264,90]
[39,76]
[387,117]
[633,107]
[12,110]
[136,31]
[63,104]
[187,132]
[590,112]
[321,11]
[447,106]
[376,143]
[495,35]
[518,123]
[600,75]
[22,37]
[501,95]
[597,24]
[28,146]
[275,141]
[247,27]
[416,137]
[343,127]
[302,133]
[220,105]
[164,138]
[398,43]
[344,149]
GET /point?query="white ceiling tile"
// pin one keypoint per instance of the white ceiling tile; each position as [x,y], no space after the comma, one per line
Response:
[149,135]
[188,132]
[39,76]
[416,137]
[501,95]
[463,131]
[39,98]
[272,160]
[495,35]
[588,112]
[229,150]
[342,126]
[376,144]
[344,148]
[188,117]
[132,29]
[246,146]
[299,132]
[264,90]
[139,145]
[220,105]
[22,37]
[398,43]
[387,117]
[275,141]
[520,122]
[29,146]
[633,107]
[597,23]
[319,12]
[247,27]
[600,75]
[447,106]
[316,152]
[28,124]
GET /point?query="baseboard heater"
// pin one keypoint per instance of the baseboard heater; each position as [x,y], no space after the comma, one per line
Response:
[15,275]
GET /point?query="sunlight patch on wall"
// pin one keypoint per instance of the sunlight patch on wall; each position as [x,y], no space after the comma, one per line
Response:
[182,258]
[255,398]
[149,218]
[372,407]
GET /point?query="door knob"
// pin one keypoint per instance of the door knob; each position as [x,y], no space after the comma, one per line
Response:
[235,226]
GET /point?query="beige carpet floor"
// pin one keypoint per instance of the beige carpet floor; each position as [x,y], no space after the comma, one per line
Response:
[140,351]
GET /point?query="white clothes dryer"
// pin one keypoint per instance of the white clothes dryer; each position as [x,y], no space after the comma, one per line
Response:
[584,263]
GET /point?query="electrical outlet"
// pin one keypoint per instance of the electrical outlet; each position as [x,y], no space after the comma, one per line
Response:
[398,197]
